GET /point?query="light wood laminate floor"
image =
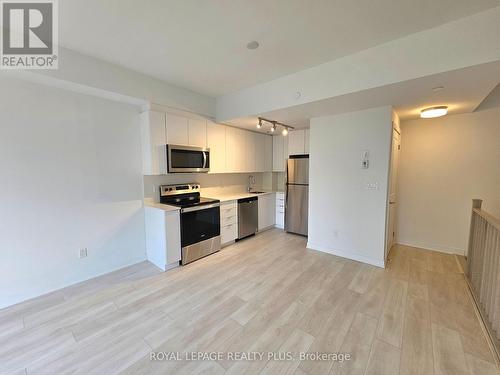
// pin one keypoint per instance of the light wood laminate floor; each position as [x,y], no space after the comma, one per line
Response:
[264,294]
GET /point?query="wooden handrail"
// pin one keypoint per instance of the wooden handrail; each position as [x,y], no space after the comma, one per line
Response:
[483,269]
[488,217]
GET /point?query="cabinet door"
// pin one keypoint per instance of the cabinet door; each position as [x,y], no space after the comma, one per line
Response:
[216,141]
[197,132]
[235,148]
[268,153]
[296,142]
[249,157]
[260,152]
[267,210]
[306,141]
[177,130]
[262,206]
[153,140]
[278,154]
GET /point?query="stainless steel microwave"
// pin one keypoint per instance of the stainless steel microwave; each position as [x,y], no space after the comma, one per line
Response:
[187,159]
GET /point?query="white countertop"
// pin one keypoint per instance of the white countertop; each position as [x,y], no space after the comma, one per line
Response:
[226,197]
[149,202]
[223,197]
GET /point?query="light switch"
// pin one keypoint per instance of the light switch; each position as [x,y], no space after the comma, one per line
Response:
[365,162]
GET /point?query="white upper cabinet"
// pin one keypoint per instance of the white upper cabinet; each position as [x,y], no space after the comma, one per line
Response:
[177,130]
[296,142]
[280,153]
[268,153]
[250,146]
[236,150]
[197,132]
[216,141]
[232,150]
[260,152]
[263,153]
[153,140]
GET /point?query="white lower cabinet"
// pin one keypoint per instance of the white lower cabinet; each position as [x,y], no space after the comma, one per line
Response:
[163,237]
[228,222]
[280,210]
[267,210]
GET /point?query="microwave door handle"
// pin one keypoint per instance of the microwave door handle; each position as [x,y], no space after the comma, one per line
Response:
[204,159]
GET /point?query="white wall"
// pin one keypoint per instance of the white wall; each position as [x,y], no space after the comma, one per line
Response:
[445,163]
[86,74]
[345,218]
[70,178]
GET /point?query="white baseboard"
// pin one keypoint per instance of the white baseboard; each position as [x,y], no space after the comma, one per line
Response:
[356,257]
[433,247]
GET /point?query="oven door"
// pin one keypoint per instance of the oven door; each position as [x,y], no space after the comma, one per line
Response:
[199,223]
[187,159]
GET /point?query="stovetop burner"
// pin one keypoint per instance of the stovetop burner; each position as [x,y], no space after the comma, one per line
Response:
[186,195]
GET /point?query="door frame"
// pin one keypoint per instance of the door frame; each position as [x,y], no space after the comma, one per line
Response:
[388,205]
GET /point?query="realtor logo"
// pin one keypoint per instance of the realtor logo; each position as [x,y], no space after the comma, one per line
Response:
[29,34]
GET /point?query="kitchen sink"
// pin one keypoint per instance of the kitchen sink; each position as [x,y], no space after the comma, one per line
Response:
[258,192]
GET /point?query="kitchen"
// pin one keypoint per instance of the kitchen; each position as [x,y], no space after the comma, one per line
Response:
[208,185]
[233,177]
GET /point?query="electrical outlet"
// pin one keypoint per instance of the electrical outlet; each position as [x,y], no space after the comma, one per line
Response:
[83,253]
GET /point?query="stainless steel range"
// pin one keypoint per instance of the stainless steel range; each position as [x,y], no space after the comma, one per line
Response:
[200,220]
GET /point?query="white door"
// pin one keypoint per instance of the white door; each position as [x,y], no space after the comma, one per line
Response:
[391,226]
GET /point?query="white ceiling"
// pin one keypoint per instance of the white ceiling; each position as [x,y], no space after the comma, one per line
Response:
[201,45]
[463,92]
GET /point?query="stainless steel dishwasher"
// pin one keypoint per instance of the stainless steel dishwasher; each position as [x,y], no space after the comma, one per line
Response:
[248,217]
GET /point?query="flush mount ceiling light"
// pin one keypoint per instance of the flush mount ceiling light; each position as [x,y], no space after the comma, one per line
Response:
[253,44]
[434,112]
[274,125]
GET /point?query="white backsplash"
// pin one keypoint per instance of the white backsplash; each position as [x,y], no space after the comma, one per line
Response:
[220,183]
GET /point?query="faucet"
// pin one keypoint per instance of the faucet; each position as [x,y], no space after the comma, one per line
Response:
[251,181]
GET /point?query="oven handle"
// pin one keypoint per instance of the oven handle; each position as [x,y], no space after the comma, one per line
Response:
[199,208]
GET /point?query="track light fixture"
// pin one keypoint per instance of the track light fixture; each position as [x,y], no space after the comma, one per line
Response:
[274,125]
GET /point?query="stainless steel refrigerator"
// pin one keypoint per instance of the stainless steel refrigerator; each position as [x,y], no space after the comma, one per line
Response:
[297,194]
